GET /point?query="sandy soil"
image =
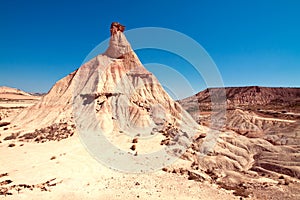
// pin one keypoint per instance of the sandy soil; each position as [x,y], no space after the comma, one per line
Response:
[78,176]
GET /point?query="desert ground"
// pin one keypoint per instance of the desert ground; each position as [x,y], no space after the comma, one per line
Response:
[61,168]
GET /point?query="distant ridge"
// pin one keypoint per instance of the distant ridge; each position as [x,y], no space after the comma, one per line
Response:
[9,90]
[249,95]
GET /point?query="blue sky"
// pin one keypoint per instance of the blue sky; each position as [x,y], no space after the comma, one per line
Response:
[252,42]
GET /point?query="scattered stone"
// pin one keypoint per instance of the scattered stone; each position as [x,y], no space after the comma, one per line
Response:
[195,176]
[286,182]
[137,183]
[165,169]
[135,140]
[4,124]
[239,190]
[4,191]
[5,174]
[55,132]
[5,182]
[133,147]
[281,177]
[11,145]
[12,136]
[212,174]
[42,186]
[165,142]
[201,136]
[52,158]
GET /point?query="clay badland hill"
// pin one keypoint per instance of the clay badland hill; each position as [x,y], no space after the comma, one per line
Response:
[261,131]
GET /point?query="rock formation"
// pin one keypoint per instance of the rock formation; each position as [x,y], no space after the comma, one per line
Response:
[123,94]
[260,137]
[115,95]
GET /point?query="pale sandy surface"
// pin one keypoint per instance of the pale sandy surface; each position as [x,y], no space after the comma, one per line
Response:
[79,176]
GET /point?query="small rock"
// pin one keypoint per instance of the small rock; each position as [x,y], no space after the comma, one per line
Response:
[281,177]
[133,147]
[52,158]
[286,182]
[4,124]
[11,145]
[135,140]
[12,136]
[165,169]
[5,182]
[165,141]
[5,174]
[195,176]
